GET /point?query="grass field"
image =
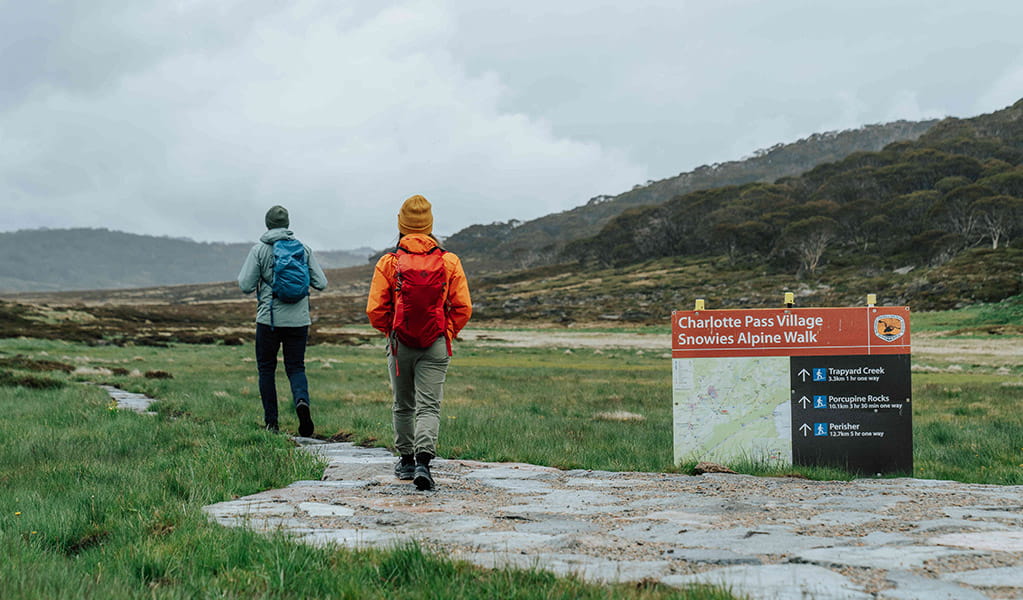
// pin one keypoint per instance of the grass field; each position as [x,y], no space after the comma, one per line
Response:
[105,503]
[982,319]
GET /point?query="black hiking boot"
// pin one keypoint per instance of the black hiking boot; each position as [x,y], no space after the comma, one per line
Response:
[405,468]
[272,427]
[305,423]
[423,480]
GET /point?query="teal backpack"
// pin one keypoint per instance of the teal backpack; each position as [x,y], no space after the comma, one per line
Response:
[291,271]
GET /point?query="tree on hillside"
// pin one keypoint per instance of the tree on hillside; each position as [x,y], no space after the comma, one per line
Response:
[904,217]
[849,186]
[808,239]
[751,239]
[994,166]
[999,217]
[858,222]
[659,233]
[1009,183]
[957,209]
[947,184]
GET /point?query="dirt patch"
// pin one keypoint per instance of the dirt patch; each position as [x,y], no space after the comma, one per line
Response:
[567,339]
[85,542]
[157,325]
[993,352]
[341,436]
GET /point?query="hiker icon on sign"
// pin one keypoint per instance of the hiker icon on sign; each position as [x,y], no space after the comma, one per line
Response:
[820,401]
[820,374]
[820,429]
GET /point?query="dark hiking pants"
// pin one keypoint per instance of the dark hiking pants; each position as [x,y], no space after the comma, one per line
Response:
[268,341]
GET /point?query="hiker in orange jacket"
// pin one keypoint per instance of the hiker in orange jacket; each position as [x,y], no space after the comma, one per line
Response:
[419,347]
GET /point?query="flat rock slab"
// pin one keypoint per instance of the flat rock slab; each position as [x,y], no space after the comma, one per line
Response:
[913,587]
[1000,541]
[1004,577]
[762,537]
[867,557]
[778,582]
[130,401]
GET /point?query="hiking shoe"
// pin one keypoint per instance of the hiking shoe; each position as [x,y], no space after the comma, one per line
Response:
[405,469]
[272,427]
[423,480]
[305,424]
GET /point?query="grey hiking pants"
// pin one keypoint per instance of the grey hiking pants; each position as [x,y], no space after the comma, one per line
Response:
[418,390]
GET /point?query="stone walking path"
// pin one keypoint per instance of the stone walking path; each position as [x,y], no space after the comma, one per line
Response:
[767,538]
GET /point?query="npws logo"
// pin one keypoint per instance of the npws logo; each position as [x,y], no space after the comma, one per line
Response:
[889,327]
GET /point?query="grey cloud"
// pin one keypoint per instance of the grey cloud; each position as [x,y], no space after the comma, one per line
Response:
[677,84]
[191,118]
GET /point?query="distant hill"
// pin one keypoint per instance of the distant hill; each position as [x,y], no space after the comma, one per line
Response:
[515,244]
[956,189]
[92,259]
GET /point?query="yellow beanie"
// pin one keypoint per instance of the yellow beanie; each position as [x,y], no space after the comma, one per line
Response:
[415,216]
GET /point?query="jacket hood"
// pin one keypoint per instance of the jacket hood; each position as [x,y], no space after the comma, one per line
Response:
[418,242]
[273,235]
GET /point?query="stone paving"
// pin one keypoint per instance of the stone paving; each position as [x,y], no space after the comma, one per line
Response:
[130,400]
[766,538]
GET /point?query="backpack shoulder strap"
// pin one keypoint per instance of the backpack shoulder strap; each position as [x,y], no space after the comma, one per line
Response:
[407,251]
[266,253]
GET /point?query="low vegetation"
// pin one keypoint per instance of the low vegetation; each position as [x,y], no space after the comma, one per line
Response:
[104,503]
[983,320]
[100,502]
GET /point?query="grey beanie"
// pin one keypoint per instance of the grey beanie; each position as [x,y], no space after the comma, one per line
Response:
[277,217]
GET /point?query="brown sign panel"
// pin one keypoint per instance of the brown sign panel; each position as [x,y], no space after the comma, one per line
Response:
[846,372]
[790,332]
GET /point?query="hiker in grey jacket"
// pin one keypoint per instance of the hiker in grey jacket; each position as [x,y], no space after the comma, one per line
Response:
[280,324]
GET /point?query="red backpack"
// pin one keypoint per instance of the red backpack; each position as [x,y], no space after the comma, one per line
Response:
[420,295]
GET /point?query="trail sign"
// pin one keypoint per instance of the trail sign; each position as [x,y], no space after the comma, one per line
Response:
[813,386]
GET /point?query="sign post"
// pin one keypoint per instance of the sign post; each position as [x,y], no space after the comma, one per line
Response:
[804,386]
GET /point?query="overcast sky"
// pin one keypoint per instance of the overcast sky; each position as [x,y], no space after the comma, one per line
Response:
[190,118]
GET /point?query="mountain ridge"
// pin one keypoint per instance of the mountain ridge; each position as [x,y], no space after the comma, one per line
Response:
[516,244]
[956,187]
[95,258]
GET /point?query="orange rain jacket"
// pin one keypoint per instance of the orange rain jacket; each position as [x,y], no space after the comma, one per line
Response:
[380,305]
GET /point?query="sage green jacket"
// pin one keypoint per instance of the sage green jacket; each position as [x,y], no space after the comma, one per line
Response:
[257,274]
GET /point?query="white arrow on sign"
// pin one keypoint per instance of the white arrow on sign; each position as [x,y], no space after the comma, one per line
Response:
[804,401]
[804,373]
[805,429]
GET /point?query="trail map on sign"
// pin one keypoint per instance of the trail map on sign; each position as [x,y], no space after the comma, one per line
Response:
[733,402]
[813,386]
